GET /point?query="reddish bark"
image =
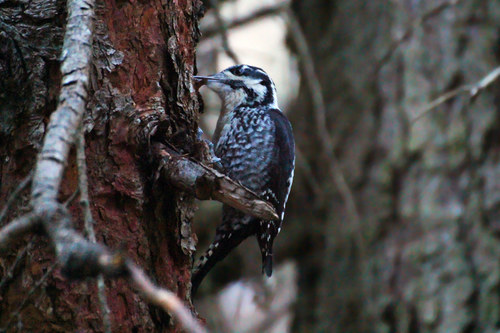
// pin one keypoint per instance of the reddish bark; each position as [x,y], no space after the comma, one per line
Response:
[143,63]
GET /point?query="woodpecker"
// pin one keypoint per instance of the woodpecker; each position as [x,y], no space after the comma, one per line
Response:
[254,142]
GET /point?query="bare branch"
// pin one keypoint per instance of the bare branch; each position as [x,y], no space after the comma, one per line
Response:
[310,77]
[35,287]
[207,183]
[252,17]
[13,197]
[15,265]
[319,111]
[222,28]
[64,122]
[18,228]
[89,223]
[303,164]
[404,36]
[78,257]
[167,300]
[472,89]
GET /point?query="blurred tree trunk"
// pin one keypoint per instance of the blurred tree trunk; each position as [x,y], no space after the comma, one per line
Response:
[424,257]
[143,61]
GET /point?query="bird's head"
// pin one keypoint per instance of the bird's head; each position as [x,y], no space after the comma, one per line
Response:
[242,85]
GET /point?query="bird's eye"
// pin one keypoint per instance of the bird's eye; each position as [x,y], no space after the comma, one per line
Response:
[238,71]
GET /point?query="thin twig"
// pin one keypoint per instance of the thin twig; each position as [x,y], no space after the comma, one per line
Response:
[72,197]
[310,77]
[222,28]
[164,298]
[13,197]
[98,260]
[319,110]
[212,31]
[12,269]
[84,187]
[404,36]
[303,164]
[89,223]
[472,89]
[34,288]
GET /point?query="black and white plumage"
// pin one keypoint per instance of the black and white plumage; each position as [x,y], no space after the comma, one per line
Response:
[255,144]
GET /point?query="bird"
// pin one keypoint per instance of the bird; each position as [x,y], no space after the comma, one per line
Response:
[254,142]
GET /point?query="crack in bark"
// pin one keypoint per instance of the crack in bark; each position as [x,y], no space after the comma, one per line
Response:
[78,257]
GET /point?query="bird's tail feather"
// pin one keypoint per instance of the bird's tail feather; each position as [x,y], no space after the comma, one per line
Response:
[217,251]
[267,264]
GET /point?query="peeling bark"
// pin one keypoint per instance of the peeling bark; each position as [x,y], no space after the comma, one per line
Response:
[143,63]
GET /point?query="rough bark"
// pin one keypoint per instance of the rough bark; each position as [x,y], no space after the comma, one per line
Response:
[425,255]
[143,61]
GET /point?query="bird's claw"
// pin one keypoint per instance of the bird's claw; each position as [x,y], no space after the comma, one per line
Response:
[214,160]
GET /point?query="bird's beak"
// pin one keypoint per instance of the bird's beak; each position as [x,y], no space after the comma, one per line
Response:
[201,80]
[212,82]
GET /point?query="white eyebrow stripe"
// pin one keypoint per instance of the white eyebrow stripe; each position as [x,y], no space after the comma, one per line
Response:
[230,75]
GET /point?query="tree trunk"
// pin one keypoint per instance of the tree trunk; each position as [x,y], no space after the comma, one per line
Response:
[424,256]
[140,86]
